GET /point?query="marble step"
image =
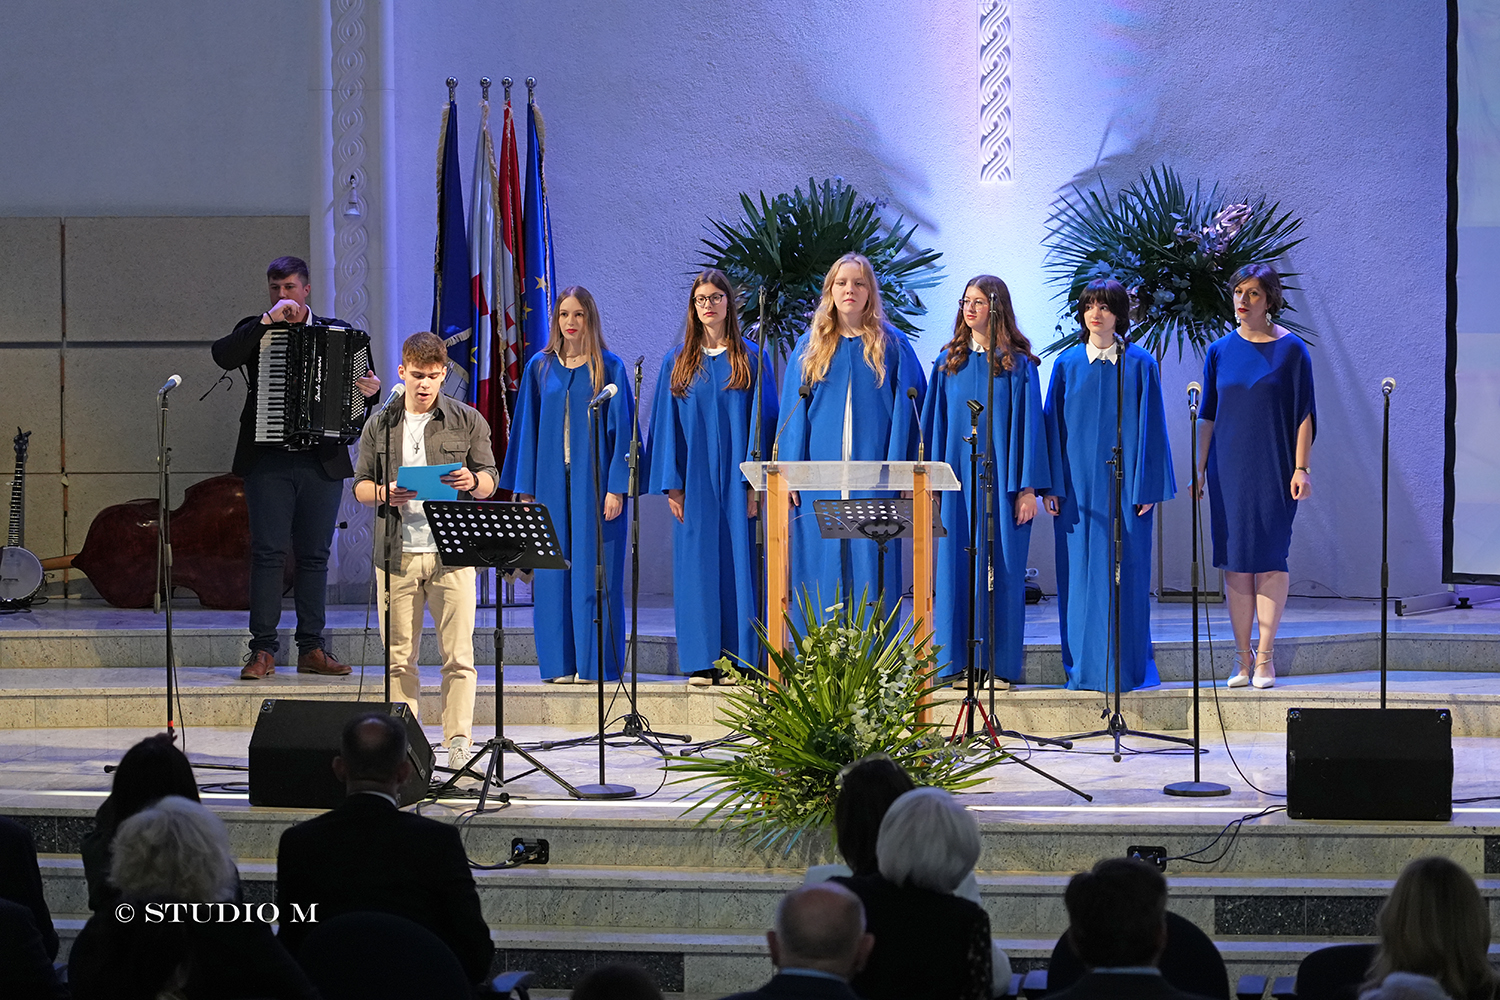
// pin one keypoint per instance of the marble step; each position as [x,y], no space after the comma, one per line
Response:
[220,645]
[215,696]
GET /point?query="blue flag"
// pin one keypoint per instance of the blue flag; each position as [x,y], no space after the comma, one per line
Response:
[452,293]
[536,227]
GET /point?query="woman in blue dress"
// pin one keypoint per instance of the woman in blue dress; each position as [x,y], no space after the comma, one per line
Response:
[550,460]
[857,368]
[703,425]
[1081,413]
[1018,448]
[1256,428]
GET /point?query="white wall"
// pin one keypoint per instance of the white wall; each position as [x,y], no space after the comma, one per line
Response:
[660,114]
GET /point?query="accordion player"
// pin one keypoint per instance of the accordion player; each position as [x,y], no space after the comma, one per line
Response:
[305,391]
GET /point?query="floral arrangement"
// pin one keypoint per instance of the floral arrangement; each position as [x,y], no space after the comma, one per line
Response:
[851,683]
[787,243]
[1174,251]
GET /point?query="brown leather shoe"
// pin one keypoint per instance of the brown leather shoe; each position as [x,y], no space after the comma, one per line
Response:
[317,661]
[259,665]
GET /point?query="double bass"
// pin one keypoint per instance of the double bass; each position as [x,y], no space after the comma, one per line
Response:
[210,548]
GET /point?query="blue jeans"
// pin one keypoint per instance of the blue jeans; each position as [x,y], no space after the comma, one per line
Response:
[293,505]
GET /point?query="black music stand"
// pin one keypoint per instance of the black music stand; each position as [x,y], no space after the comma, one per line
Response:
[503,536]
[882,520]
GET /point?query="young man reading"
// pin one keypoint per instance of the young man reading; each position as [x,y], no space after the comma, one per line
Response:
[431,429]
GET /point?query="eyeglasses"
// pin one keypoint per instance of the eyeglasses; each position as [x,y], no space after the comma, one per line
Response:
[976,303]
[709,300]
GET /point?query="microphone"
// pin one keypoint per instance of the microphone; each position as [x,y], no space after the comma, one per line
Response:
[1387,386]
[911,394]
[975,409]
[1195,392]
[389,407]
[804,394]
[176,380]
[604,394]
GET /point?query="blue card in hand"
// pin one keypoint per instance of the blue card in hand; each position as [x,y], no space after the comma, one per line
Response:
[426,480]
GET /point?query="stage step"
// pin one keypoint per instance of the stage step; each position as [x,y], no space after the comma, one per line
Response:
[215,696]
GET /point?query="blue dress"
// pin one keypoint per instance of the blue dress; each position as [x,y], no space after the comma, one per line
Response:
[1019,446]
[697,444]
[1081,414]
[1257,395]
[883,428]
[551,397]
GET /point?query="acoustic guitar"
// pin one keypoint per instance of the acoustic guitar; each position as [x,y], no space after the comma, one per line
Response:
[20,571]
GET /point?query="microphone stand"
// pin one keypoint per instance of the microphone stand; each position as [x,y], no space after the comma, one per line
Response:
[391,526]
[635,726]
[602,790]
[1197,788]
[755,443]
[1116,727]
[1385,517]
[164,545]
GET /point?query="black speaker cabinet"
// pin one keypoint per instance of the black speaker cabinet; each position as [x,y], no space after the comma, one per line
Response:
[1369,763]
[294,743]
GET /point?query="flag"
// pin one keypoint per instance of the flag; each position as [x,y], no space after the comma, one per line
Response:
[486,391]
[452,304]
[509,248]
[536,230]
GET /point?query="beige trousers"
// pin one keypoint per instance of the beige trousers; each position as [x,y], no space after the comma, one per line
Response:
[423,583]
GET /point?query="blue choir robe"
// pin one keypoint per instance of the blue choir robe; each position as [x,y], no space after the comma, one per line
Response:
[551,397]
[697,444]
[1081,415]
[883,428]
[1021,461]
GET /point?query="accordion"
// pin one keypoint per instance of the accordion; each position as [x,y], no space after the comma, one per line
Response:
[304,386]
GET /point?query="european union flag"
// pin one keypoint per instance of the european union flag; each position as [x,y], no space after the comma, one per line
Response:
[540,273]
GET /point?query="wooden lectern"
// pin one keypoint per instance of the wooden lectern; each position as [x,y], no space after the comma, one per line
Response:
[780,479]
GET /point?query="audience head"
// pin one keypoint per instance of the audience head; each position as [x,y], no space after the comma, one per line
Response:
[927,840]
[616,982]
[151,769]
[821,926]
[1436,924]
[174,851]
[1117,913]
[372,755]
[869,787]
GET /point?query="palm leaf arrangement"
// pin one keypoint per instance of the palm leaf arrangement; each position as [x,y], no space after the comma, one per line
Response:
[787,243]
[1172,249]
[850,685]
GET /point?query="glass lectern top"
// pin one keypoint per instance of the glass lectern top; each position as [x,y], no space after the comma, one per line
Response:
[842,476]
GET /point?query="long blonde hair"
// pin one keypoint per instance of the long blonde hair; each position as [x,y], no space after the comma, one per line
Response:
[593,333]
[823,336]
[1436,924]
[690,360]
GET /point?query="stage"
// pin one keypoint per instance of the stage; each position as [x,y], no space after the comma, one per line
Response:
[636,879]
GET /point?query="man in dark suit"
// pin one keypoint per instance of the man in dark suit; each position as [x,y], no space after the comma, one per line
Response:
[21,879]
[818,944]
[367,855]
[1117,923]
[293,496]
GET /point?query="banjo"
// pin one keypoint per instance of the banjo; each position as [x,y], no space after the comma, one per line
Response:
[20,571]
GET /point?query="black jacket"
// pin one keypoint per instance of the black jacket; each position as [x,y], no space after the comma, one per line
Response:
[927,944]
[241,349]
[369,855]
[21,879]
[1122,986]
[784,987]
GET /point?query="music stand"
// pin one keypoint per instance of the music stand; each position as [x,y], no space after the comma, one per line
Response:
[882,520]
[507,537]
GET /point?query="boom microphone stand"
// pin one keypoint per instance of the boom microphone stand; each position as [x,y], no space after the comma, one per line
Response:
[1197,788]
[1116,727]
[635,726]
[164,536]
[1387,386]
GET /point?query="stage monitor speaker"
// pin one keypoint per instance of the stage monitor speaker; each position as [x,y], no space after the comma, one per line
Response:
[294,743]
[1369,763]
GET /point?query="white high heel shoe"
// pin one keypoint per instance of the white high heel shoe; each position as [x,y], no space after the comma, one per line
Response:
[1269,680]
[1240,678]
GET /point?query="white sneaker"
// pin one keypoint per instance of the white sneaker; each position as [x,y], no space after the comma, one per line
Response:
[459,752]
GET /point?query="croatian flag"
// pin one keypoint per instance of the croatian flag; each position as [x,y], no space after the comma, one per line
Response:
[508,278]
[452,305]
